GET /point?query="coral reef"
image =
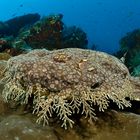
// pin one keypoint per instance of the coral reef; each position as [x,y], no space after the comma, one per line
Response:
[51,33]
[12,46]
[12,26]
[130,46]
[4,45]
[2,41]
[68,81]
[112,126]
[46,33]
[75,37]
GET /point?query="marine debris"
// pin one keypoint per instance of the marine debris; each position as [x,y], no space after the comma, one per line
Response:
[66,82]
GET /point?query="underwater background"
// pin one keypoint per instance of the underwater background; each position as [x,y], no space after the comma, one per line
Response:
[104,21]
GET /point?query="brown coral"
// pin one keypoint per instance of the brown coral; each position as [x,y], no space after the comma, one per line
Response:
[64,81]
[46,33]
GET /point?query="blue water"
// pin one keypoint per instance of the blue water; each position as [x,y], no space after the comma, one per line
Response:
[104,21]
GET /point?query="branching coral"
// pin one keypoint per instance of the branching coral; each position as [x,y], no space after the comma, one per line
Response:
[66,82]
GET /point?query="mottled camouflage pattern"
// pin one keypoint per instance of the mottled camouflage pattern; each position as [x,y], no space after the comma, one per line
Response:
[67,81]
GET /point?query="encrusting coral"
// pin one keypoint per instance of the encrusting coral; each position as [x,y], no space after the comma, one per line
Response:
[67,81]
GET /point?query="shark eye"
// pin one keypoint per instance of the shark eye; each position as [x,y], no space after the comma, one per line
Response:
[95,85]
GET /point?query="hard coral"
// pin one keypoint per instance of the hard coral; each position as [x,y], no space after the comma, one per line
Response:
[67,81]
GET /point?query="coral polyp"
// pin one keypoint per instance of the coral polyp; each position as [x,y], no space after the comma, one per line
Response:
[67,81]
